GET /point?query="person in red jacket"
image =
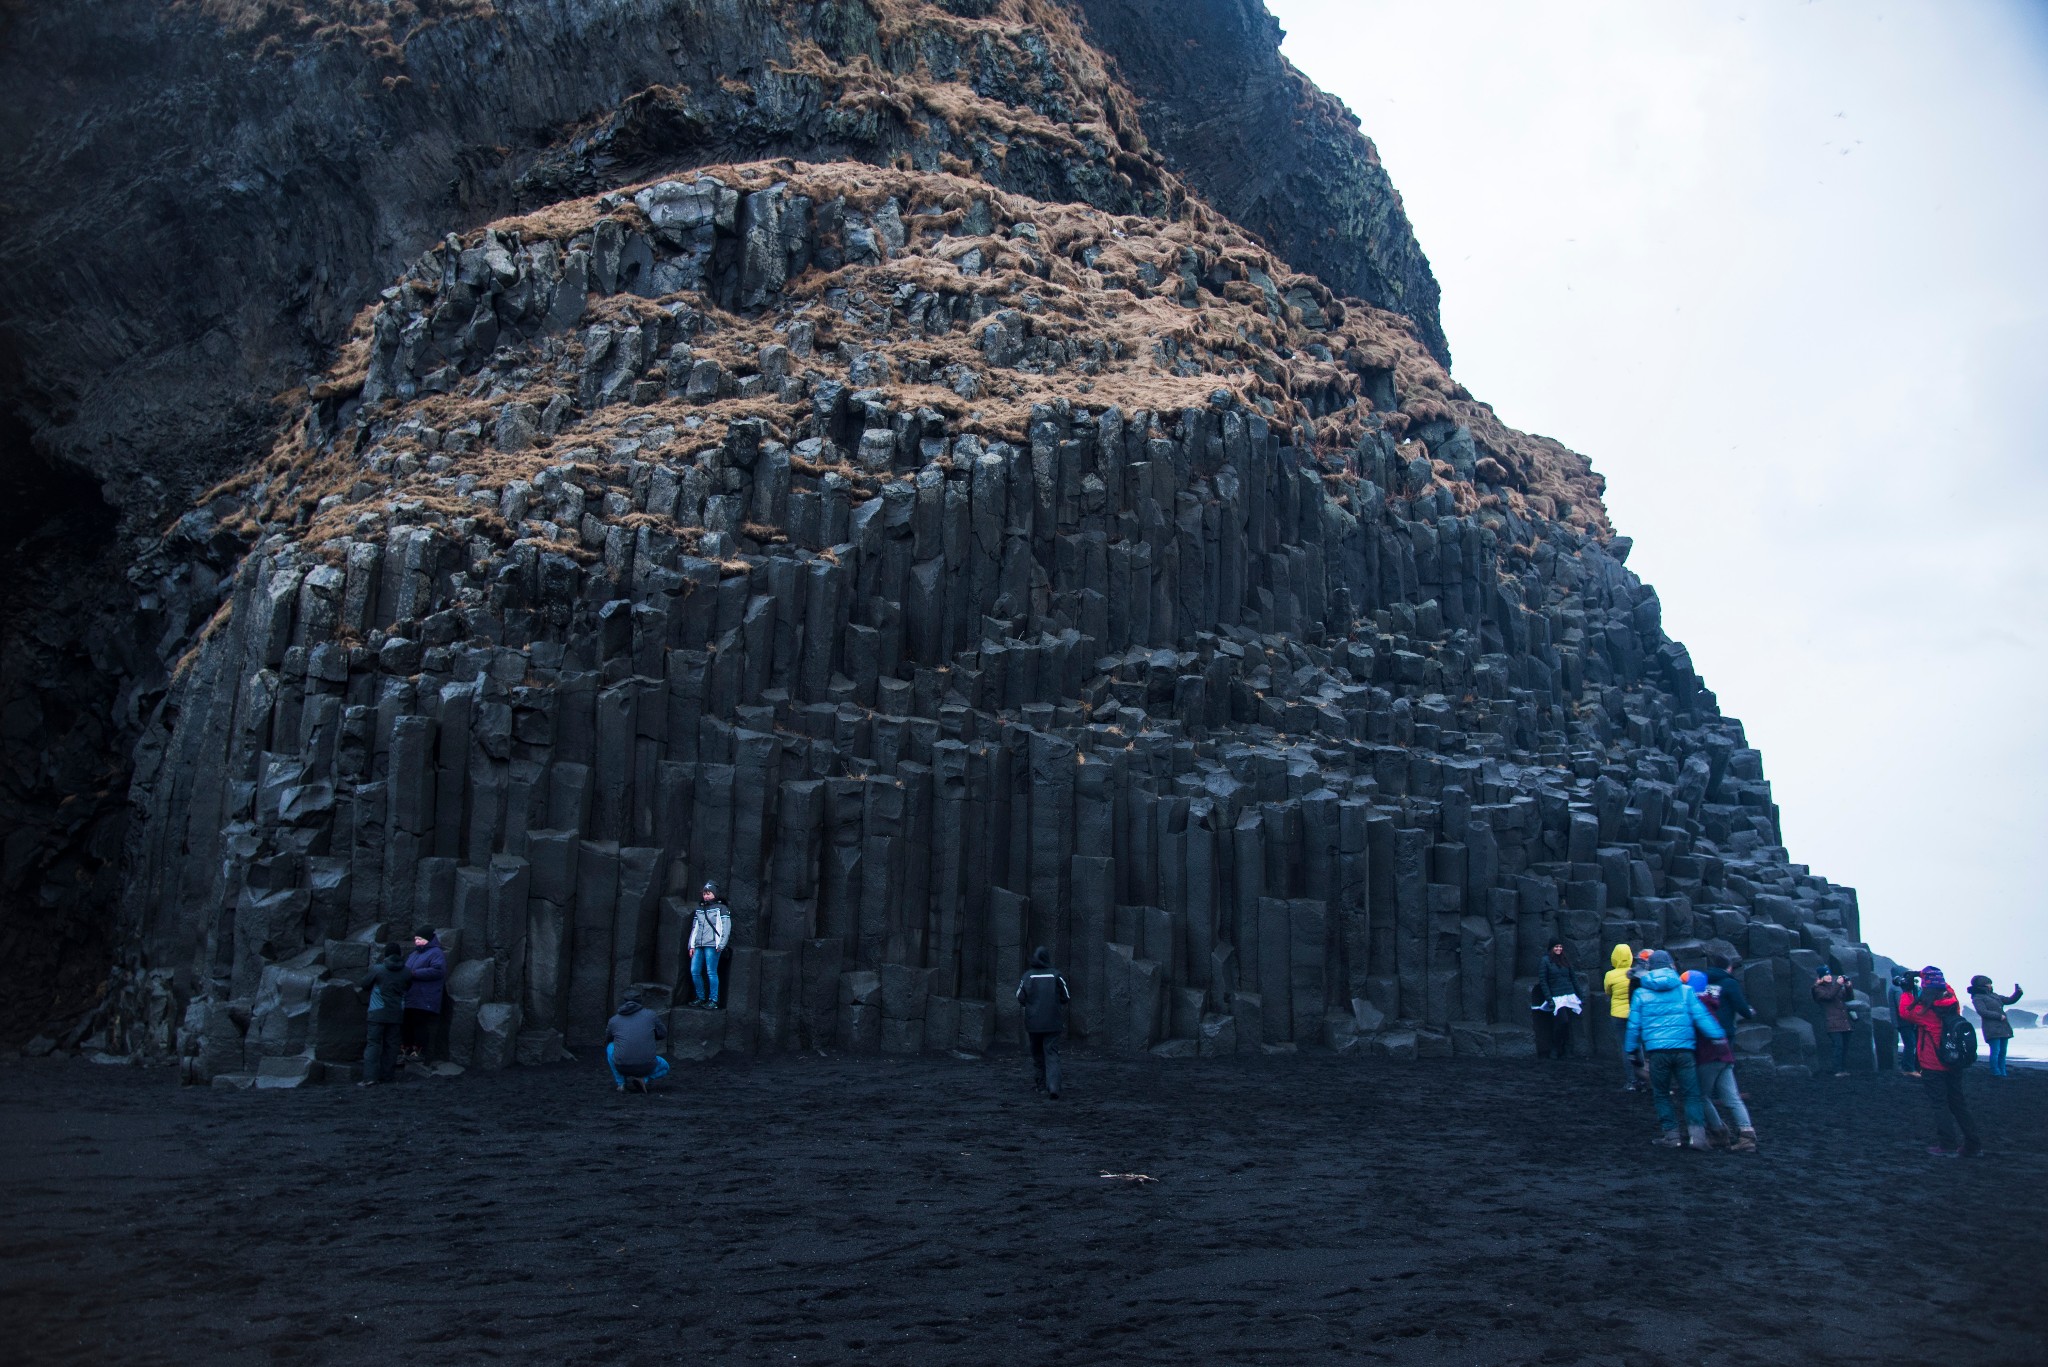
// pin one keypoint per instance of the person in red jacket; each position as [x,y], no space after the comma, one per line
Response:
[1928,1009]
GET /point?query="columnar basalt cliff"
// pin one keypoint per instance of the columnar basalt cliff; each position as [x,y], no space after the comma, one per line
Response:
[873,459]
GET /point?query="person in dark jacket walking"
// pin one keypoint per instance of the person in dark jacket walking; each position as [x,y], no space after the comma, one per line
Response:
[386,985]
[1733,1002]
[1834,992]
[428,964]
[1929,1007]
[632,1046]
[1557,983]
[1997,1030]
[1665,1019]
[1044,996]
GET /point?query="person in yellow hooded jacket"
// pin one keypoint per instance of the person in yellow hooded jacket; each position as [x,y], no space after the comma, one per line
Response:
[1620,984]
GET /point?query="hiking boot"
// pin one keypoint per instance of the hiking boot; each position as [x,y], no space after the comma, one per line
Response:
[1669,1139]
[1744,1142]
[1696,1137]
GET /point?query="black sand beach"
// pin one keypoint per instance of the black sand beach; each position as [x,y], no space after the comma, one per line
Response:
[815,1210]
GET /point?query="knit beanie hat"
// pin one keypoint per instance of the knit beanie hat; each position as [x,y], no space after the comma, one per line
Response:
[1980,983]
[1696,980]
[1931,981]
[1661,959]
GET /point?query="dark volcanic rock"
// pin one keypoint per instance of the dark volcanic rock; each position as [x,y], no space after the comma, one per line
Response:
[1264,145]
[828,450]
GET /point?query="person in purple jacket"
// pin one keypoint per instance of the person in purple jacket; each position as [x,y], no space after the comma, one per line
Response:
[428,964]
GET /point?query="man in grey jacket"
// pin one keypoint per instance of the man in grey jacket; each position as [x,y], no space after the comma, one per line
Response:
[1044,996]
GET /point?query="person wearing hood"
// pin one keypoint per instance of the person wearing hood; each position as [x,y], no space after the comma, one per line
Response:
[1557,996]
[428,964]
[632,1046]
[1663,1020]
[710,932]
[1834,992]
[1930,1006]
[1732,1001]
[1620,985]
[1991,1011]
[1727,1116]
[387,986]
[1044,996]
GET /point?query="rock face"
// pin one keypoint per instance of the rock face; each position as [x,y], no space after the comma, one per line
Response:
[217,189]
[951,534]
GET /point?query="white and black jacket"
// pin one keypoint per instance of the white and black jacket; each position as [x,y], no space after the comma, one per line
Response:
[710,927]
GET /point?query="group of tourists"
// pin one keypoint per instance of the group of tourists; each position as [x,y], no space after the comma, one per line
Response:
[1676,1031]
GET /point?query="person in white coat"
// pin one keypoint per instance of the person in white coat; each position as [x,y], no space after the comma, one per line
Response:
[710,931]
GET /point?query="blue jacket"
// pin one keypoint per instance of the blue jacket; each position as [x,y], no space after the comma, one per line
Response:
[429,970]
[1665,1013]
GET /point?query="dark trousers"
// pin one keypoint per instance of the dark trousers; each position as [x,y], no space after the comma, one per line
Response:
[1561,1023]
[417,1029]
[380,1051]
[1045,1060]
[1909,1046]
[1951,1112]
[1841,1039]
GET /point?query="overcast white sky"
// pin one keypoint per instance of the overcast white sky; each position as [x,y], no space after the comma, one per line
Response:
[1781,270]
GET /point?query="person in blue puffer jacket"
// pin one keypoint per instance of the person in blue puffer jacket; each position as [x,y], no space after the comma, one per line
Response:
[1664,1019]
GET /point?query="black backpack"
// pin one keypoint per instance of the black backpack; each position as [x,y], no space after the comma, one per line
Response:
[1958,1047]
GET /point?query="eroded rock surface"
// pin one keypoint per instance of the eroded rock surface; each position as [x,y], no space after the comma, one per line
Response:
[949,531]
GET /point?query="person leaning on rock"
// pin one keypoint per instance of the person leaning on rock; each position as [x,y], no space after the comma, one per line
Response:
[1664,1019]
[1834,993]
[1557,986]
[1991,1010]
[632,1046]
[428,964]
[386,985]
[710,932]
[1043,994]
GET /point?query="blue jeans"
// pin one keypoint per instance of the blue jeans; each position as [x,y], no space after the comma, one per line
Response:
[1841,1039]
[1998,1047]
[703,965]
[1668,1066]
[660,1068]
[1723,1097]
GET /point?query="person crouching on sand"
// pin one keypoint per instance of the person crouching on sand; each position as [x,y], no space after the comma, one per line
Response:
[1663,1020]
[1043,995]
[632,1046]
[1727,1117]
